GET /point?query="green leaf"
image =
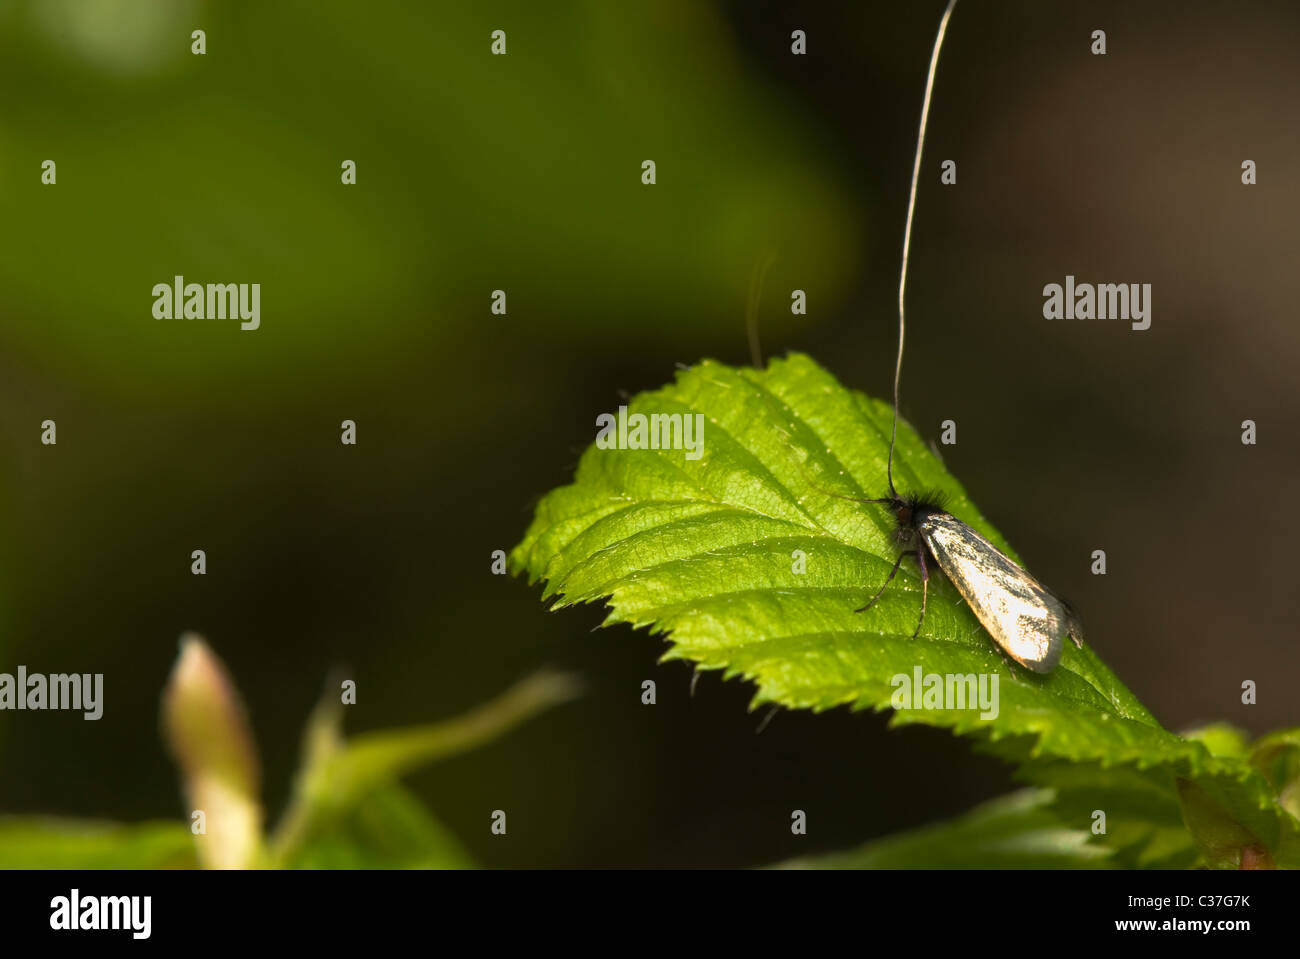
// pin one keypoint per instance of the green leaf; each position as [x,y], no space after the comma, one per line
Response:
[1018,831]
[1167,816]
[1143,821]
[701,550]
[388,828]
[39,842]
[374,758]
[349,785]
[1221,739]
[1277,756]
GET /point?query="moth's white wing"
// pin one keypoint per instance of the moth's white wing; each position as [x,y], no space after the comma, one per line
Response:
[1020,614]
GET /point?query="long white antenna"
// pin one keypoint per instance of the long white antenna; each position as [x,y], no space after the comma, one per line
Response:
[907,232]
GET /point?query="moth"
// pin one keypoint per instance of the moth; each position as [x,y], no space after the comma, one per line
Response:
[1026,619]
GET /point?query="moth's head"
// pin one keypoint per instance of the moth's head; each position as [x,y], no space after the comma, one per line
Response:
[902,508]
[911,508]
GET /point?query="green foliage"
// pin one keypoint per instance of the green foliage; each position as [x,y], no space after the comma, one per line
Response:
[386,827]
[347,811]
[703,550]
[1144,818]
[38,842]
[1019,831]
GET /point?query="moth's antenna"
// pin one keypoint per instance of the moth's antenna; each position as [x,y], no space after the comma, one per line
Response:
[751,306]
[907,232]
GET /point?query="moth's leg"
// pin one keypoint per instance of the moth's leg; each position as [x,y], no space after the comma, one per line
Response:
[892,573]
[925,590]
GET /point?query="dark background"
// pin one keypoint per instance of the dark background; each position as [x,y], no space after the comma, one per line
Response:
[522,173]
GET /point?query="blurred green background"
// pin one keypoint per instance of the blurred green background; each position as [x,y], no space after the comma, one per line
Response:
[522,173]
